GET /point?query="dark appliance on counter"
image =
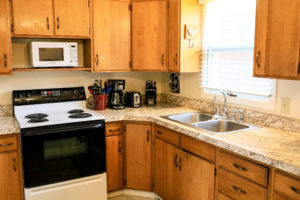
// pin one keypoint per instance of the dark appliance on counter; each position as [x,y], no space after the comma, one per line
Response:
[133,99]
[150,93]
[116,96]
[63,144]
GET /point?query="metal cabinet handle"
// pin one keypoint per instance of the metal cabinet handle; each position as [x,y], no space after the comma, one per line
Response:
[158,132]
[6,145]
[48,25]
[15,164]
[240,167]
[5,60]
[114,130]
[175,161]
[162,59]
[257,59]
[295,189]
[120,147]
[57,20]
[148,136]
[239,190]
[175,59]
[97,59]
[179,164]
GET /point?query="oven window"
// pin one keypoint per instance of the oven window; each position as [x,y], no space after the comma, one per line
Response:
[51,54]
[66,147]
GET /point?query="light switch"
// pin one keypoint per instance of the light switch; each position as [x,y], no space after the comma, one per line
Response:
[285,105]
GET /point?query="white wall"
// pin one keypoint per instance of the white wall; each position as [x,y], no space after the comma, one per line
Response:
[285,88]
[36,80]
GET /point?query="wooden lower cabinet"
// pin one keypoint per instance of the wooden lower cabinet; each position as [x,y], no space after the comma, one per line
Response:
[180,175]
[10,172]
[138,156]
[114,162]
[287,185]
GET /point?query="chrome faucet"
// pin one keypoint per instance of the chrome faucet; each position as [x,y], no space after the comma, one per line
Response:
[225,108]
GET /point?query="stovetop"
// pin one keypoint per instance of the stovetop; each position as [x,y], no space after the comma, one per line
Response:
[37,115]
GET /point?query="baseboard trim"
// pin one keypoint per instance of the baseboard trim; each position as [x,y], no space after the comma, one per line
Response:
[139,193]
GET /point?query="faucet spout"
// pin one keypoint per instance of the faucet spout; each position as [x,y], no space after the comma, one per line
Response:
[225,107]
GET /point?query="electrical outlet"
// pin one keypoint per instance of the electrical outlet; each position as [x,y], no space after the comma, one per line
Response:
[285,105]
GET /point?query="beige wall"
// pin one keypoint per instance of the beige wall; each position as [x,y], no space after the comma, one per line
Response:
[35,80]
[290,89]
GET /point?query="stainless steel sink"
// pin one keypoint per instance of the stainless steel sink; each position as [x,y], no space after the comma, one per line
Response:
[189,118]
[220,126]
[206,123]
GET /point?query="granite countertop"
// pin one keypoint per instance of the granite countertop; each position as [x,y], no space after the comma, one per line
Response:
[8,125]
[274,147]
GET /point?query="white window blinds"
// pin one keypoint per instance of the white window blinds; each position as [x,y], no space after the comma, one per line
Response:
[228,46]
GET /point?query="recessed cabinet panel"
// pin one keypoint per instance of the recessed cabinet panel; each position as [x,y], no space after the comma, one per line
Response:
[32,17]
[72,18]
[149,36]
[111,35]
[277,40]
[5,40]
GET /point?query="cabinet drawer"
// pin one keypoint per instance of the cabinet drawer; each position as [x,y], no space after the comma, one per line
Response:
[245,168]
[239,188]
[199,148]
[278,196]
[287,185]
[8,143]
[167,135]
[223,197]
[114,128]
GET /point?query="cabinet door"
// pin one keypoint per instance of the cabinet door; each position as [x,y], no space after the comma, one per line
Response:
[72,18]
[138,156]
[174,35]
[10,178]
[5,42]
[277,39]
[114,162]
[111,35]
[166,170]
[32,17]
[149,35]
[196,179]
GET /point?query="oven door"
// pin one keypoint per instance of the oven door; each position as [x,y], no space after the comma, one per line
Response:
[62,152]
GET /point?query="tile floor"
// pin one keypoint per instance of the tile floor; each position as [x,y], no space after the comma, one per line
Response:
[129,197]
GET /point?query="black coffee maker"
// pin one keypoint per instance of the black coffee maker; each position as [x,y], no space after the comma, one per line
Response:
[116,96]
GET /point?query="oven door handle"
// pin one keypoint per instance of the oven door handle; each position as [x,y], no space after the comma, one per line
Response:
[59,129]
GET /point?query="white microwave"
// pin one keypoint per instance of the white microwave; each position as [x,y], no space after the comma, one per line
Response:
[54,54]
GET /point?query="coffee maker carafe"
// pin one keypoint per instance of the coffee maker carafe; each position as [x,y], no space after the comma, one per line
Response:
[116,97]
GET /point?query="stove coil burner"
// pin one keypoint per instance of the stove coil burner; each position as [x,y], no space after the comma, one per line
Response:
[37,120]
[36,115]
[75,111]
[80,115]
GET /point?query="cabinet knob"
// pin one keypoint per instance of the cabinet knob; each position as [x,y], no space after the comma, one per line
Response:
[179,164]
[5,60]
[175,59]
[162,59]
[120,147]
[6,145]
[175,161]
[239,190]
[48,25]
[97,59]
[295,189]
[15,164]
[240,167]
[257,59]
[57,20]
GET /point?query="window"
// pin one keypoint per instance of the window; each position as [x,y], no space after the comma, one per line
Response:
[228,42]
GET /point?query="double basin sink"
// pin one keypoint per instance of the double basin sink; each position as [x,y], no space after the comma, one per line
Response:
[206,123]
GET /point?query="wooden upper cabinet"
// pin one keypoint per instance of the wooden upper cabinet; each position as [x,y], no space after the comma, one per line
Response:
[277,39]
[114,162]
[72,18]
[174,35]
[149,35]
[5,41]
[32,17]
[138,156]
[111,22]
